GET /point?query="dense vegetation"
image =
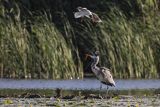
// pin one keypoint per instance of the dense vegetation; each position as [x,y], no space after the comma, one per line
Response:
[41,39]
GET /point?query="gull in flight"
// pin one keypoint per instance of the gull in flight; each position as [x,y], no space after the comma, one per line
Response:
[84,12]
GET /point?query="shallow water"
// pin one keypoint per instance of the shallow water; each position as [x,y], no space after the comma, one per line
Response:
[85,84]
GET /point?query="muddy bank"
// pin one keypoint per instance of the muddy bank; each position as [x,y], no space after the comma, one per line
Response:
[82,98]
[60,93]
[78,101]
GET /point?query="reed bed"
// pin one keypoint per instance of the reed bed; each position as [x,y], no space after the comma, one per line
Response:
[127,45]
[41,53]
[130,52]
[37,46]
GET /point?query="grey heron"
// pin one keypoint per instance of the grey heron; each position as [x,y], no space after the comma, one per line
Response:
[102,73]
[84,12]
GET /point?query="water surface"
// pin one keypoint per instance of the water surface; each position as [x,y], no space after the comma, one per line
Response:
[85,84]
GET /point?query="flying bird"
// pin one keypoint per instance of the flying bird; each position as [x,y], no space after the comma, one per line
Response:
[102,73]
[84,12]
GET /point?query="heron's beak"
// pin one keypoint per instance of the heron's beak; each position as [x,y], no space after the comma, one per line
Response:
[86,56]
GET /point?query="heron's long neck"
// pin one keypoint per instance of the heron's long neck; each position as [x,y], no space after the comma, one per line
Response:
[95,61]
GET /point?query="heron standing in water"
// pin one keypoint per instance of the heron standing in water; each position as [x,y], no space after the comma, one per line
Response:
[102,73]
[84,12]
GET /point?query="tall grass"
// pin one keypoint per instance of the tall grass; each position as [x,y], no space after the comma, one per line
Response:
[127,46]
[41,53]
[129,51]
[35,45]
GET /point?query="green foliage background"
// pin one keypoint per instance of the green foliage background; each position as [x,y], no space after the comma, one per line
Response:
[42,39]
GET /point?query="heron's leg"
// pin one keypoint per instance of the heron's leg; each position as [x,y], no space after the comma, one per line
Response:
[107,89]
[100,91]
[100,86]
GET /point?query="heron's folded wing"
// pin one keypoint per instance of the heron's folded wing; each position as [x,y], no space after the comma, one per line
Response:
[105,71]
[104,68]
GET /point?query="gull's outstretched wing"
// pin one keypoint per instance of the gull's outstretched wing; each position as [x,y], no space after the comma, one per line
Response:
[81,8]
[82,14]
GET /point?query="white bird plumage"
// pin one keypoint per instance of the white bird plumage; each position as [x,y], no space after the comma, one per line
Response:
[84,12]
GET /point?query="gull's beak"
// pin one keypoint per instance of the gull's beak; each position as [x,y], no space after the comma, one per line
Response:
[86,56]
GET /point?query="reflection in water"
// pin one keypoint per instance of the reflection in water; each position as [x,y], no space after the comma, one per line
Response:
[86,83]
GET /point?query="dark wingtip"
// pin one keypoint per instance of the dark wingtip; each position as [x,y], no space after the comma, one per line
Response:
[113,84]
